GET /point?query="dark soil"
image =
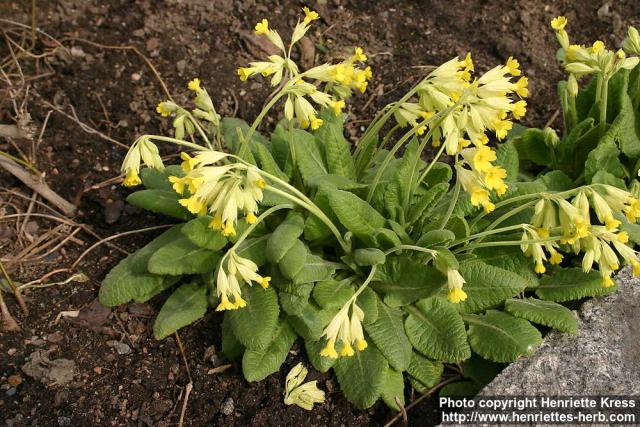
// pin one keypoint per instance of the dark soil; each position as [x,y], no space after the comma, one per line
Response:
[115,92]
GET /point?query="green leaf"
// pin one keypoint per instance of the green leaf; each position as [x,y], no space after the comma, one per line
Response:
[460,389]
[284,237]
[439,173]
[605,157]
[315,269]
[427,202]
[154,179]
[308,156]
[604,177]
[546,313]
[320,363]
[267,163]
[556,181]
[436,238]
[530,146]
[393,389]
[436,330]
[294,260]
[294,298]
[159,201]
[181,256]
[368,257]
[337,148]
[368,302]
[507,157]
[259,364]
[500,337]
[332,293]
[403,280]
[427,372]
[362,376]
[365,155]
[487,286]
[355,214]
[231,347]
[198,232]
[566,284]
[387,333]
[255,324]
[254,249]
[310,323]
[186,305]
[229,128]
[337,181]
[509,258]
[124,284]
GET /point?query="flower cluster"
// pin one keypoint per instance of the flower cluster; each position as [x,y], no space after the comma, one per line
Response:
[581,60]
[483,176]
[301,94]
[228,280]
[572,220]
[220,190]
[185,122]
[142,150]
[347,329]
[470,108]
[304,395]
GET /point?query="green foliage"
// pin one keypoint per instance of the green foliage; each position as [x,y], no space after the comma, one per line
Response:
[376,240]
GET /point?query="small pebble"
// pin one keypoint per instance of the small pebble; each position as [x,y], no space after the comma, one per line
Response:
[14,380]
[135,77]
[227,406]
[120,347]
[11,391]
[64,421]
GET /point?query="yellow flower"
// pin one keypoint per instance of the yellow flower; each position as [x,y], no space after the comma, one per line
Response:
[482,158]
[479,196]
[494,177]
[315,122]
[244,73]
[623,237]
[193,205]
[502,128]
[519,109]
[636,267]
[228,229]
[262,27]
[250,218]
[521,87]
[361,344]
[514,66]
[163,110]
[456,295]
[347,350]
[556,258]
[539,268]
[358,55]
[132,179]
[330,350]
[265,282]
[598,46]
[309,15]
[216,223]
[188,162]
[558,23]
[194,85]
[225,304]
[607,282]
[337,106]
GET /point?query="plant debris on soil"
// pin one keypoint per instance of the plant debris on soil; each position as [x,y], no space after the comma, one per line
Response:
[83,86]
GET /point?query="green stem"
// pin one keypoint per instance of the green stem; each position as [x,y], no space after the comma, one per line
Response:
[21,162]
[487,233]
[507,243]
[256,122]
[196,123]
[410,248]
[603,102]
[175,141]
[452,205]
[509,214]
[364,285]
[433,162]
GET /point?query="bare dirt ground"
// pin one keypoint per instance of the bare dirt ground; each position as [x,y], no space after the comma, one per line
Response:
[77,93]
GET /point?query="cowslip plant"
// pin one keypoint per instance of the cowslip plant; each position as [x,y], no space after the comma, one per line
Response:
[383,266]
[601,141]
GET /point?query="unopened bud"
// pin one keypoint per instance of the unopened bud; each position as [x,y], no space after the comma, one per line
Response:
[551,138]
[572,86]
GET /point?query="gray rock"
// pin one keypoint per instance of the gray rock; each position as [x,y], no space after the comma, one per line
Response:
[227,407]
[603,359]
[120,347]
